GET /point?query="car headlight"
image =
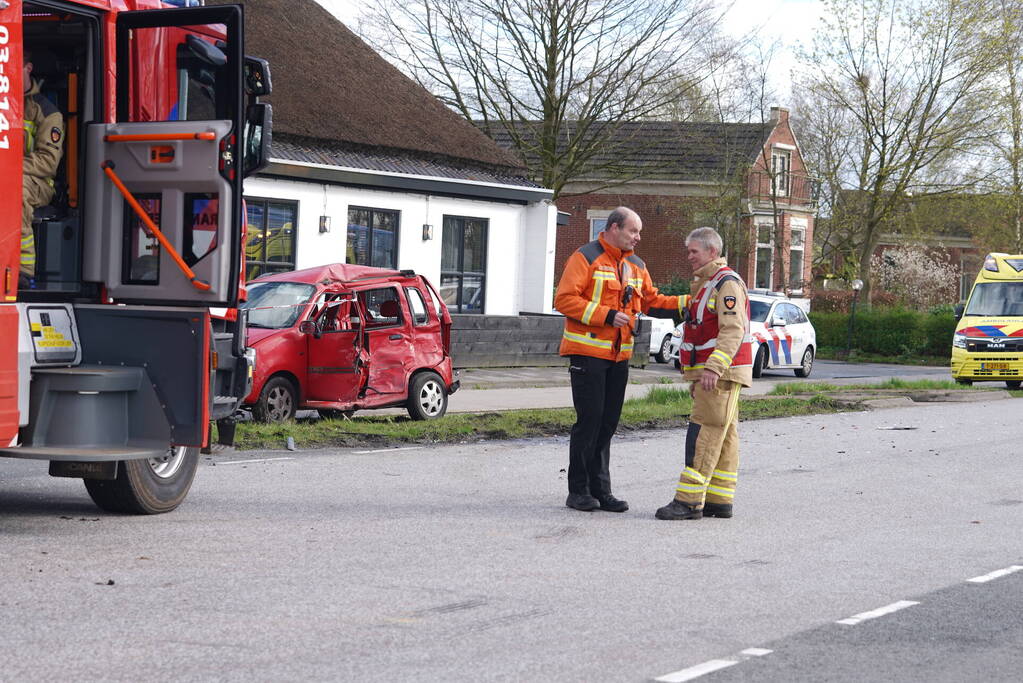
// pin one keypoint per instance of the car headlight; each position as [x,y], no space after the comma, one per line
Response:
[959,340]
[676,333]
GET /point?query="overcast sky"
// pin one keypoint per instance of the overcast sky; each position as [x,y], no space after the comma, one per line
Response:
[789,21]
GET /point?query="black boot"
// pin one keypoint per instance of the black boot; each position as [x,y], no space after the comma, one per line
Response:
[582,501]
[723,510]
[612,504]
[676,509]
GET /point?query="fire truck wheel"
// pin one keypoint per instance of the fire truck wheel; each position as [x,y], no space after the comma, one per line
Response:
[807,363]
[760,362]
[277,402]
[427,397]
[147,487]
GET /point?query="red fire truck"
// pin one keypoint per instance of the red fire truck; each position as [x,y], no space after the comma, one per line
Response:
[112,367]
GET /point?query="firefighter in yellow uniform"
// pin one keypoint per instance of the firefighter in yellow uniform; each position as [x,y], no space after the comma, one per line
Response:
[44,141]
[716,356]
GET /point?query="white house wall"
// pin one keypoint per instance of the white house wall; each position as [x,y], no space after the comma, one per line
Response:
[520,243]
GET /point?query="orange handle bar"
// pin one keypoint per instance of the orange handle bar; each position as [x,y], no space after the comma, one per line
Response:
[108,168]
[160,137]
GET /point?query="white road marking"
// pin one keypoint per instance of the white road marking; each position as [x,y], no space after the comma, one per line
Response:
[875,613]
[697,671]
[997,574]
[389,450]
[246,462]
[756,652]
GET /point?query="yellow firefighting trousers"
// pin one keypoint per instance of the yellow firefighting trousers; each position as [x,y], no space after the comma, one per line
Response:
[712,446]
[35,193]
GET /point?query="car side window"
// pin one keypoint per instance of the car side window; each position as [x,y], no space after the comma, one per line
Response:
[778,315]
[420,316]
[793,314]
[382,307]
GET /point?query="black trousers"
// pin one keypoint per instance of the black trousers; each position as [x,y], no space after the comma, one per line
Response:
[598,391]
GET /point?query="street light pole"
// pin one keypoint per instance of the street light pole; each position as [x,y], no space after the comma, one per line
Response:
[857,285]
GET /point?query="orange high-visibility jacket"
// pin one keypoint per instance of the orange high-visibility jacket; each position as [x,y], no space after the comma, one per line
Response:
[600,279]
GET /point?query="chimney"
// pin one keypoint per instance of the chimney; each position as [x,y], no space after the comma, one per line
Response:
[779,115]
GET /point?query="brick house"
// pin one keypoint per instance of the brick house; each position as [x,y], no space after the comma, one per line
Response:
[686,175]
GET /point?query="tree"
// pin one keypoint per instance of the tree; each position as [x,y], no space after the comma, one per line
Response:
[578,69]
[908,78]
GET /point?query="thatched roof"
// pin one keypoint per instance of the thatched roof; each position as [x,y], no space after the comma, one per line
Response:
[328,85]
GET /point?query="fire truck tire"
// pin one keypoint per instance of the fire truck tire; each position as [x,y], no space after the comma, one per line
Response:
[277,402]
[806,366]
[147,487]
[760,362]
[427,397]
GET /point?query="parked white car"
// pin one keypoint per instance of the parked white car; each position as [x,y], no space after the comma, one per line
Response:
[661,333]
[783,337]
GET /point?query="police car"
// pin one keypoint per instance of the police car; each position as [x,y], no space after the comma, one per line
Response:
[783,337]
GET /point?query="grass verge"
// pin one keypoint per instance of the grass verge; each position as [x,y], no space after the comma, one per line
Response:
[857,356]
[662,408]
[894,383]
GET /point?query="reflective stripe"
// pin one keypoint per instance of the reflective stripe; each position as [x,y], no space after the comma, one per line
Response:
[690,488]
[627,346]
[692,367]
[723,474]
[721,356]
[599,278]
[694,474]
[588,341]
[718,491]
[28,251]
[30,136]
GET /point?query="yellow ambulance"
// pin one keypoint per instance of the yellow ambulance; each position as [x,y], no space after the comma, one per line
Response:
[988,342]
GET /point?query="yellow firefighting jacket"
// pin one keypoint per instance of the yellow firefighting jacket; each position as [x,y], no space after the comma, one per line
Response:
[732,327]
[600,279]
[44,136]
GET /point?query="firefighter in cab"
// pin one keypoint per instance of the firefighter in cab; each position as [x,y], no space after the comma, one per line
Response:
[44,143]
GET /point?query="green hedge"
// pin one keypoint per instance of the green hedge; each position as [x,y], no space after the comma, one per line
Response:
[888,331]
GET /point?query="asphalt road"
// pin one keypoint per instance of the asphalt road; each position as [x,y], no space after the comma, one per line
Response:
[462,563]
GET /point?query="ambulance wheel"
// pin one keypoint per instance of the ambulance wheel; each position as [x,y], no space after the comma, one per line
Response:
[964,382]
[277,402]
[147,487]
[1013,383]
[427,397]
[664,354]
[806,365]
[760,362]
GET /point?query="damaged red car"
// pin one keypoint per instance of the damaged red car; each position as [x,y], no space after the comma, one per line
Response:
[340,338]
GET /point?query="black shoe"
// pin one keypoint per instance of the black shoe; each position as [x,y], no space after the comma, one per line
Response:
[676,509]
[612,504]
[723,510]
[582,501]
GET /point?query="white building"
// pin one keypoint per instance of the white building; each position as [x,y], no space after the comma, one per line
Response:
[370,168]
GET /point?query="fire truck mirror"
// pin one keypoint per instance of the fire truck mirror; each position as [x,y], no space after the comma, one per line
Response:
[256,139]
[257,76]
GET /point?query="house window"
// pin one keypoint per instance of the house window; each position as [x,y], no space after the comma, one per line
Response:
[796,259]
[463,269]
[781,166]
[596,226]
[270,241]
[373,237]
[969,265]
[765,255]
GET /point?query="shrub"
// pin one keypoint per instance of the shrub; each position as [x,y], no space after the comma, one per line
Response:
[887,331]
[677,286]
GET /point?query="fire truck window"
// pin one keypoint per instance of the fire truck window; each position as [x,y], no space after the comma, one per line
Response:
[195,90]
[382,307]
[141,248]
[201,220]
[417,306]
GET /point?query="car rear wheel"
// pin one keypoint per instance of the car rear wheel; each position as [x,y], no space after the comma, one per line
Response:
[277,402]
[663,355]
[147,487]
[1013,383]
[427,397]
[760,362]
[807,363]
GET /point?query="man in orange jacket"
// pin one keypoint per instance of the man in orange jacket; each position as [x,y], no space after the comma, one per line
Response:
[604,287]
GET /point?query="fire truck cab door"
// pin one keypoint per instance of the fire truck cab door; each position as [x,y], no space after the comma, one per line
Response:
[172,156]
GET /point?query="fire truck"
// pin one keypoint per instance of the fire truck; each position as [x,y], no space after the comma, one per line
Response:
[126,345]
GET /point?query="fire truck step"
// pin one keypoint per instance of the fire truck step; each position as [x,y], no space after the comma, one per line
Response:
[68,454]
